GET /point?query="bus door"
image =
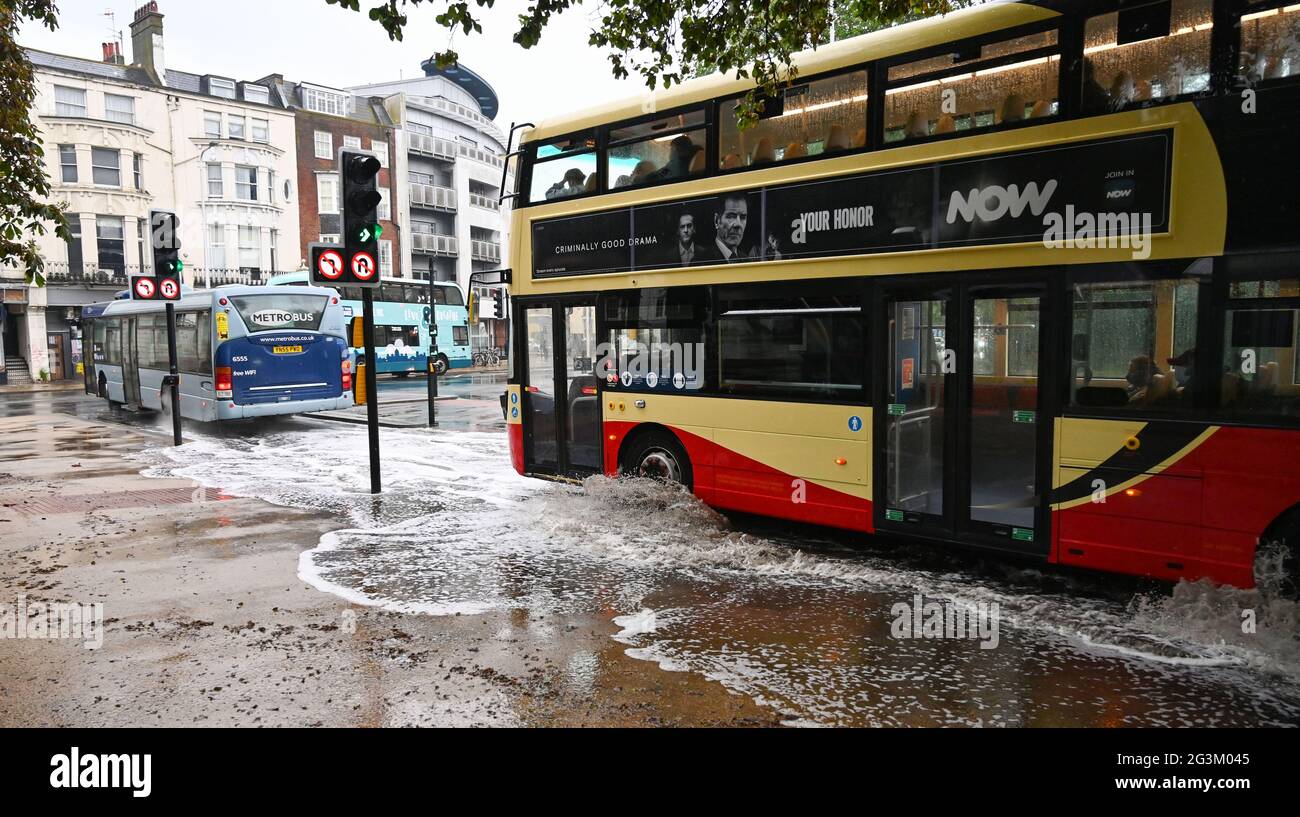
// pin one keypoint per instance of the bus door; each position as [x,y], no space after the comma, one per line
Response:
[561,398]
[963,453]
[130,363]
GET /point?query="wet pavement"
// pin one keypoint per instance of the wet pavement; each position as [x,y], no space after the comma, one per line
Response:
[629,602]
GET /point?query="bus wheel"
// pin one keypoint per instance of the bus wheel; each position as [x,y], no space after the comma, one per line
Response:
[440,365]
[402,375]
[658,455]
[1277,559]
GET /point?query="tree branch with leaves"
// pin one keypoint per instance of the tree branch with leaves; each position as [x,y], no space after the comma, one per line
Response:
[25,212]
[665,42]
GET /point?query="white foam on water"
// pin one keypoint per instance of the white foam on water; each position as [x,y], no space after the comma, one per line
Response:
[458,531]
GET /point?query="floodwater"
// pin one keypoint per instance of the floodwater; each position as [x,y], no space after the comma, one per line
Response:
[818,626]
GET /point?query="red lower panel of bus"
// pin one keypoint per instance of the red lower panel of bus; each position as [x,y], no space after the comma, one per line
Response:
[1199,518]
[516,433]
[726,479]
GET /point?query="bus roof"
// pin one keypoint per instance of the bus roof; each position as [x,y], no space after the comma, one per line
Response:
[285,278]
[888,42]
[195,298]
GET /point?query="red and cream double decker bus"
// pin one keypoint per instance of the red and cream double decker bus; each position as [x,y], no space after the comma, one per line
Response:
[1025,277]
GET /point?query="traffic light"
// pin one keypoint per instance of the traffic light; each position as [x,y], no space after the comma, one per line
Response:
[164,238]
[359,171]
[499,302]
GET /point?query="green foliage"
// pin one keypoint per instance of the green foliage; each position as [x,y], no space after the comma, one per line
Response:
[24,187]
[667,41]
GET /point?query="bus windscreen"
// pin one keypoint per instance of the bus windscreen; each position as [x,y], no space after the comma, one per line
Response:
[265,313]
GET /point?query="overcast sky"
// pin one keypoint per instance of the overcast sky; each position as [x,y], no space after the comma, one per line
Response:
[309,40]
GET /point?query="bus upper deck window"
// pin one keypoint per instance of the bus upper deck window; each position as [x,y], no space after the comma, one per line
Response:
[563,168]
[996,83]
[666,149]
[818,117]
[1270,43]
[1146,53]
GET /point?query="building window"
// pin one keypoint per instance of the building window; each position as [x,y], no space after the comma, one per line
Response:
[245,183]
[216,246]
[353,142]
[270,187]
[137,171]
[69,101]
[327,194]
[380,149]
[324,145]
[110,233]
[75,261]
[385,257]
[106,168]
[224,88]
[212,124]
[250,247]
[322,101]
[235,125]
[143,257]
[216,189]
[68,163]
[257,93]
[385,208]
[275,250]
[119,109]
[261,130]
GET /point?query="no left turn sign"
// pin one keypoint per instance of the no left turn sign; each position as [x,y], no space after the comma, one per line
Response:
[144,288]
[330,265]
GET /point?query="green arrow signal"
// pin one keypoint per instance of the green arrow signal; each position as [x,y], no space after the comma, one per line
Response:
[370,231]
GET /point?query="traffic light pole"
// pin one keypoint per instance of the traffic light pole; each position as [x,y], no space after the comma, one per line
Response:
[433,354]
[372,398]
[174,375]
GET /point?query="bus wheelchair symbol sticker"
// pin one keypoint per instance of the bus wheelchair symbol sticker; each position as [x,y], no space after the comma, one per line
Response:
[855,423]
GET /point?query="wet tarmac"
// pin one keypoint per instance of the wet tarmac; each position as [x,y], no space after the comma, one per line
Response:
[815,626]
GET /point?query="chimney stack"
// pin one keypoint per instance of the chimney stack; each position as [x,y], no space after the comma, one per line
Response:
[147,42]
[112,55]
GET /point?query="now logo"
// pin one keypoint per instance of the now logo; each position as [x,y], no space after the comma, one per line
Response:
[995,201]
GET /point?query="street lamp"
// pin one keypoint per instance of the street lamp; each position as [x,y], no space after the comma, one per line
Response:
[203,211]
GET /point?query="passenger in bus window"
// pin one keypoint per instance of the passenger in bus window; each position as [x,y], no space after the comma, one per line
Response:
[643,172]
[682,152]
[571,185]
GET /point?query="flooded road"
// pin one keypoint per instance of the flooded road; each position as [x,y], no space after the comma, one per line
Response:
[807,623]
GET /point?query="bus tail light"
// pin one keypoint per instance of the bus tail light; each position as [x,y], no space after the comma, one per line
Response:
[225,388]
[347,375]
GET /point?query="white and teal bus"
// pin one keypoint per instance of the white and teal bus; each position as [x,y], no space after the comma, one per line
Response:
[242,351]
[402,323]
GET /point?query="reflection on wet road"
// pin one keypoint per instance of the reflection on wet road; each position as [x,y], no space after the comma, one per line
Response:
[802,622]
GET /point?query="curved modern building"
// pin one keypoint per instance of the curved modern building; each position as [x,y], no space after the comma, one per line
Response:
[450,154]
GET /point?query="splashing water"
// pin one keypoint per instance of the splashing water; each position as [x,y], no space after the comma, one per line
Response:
[798,622]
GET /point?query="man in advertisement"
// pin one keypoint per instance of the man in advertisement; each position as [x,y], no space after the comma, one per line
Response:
[730,220]
[687,250]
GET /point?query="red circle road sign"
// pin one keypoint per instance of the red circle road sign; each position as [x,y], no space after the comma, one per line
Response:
[363,266]
[330,265]
[169,288]
[144,288]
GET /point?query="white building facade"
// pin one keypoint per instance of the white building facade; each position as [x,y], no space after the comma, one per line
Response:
[451,155]
[121,140]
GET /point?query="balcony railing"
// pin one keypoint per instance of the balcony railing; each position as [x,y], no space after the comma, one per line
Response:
[485,156]
[92,275]
[486,202]
[431,146]
[432,196]
[432,244]
[485,250]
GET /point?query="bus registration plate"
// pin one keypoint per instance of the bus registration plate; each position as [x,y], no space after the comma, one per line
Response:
[285,350]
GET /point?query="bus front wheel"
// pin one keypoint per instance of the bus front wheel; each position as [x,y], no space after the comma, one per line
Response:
[441,365]
[658,455]
[1277,560]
